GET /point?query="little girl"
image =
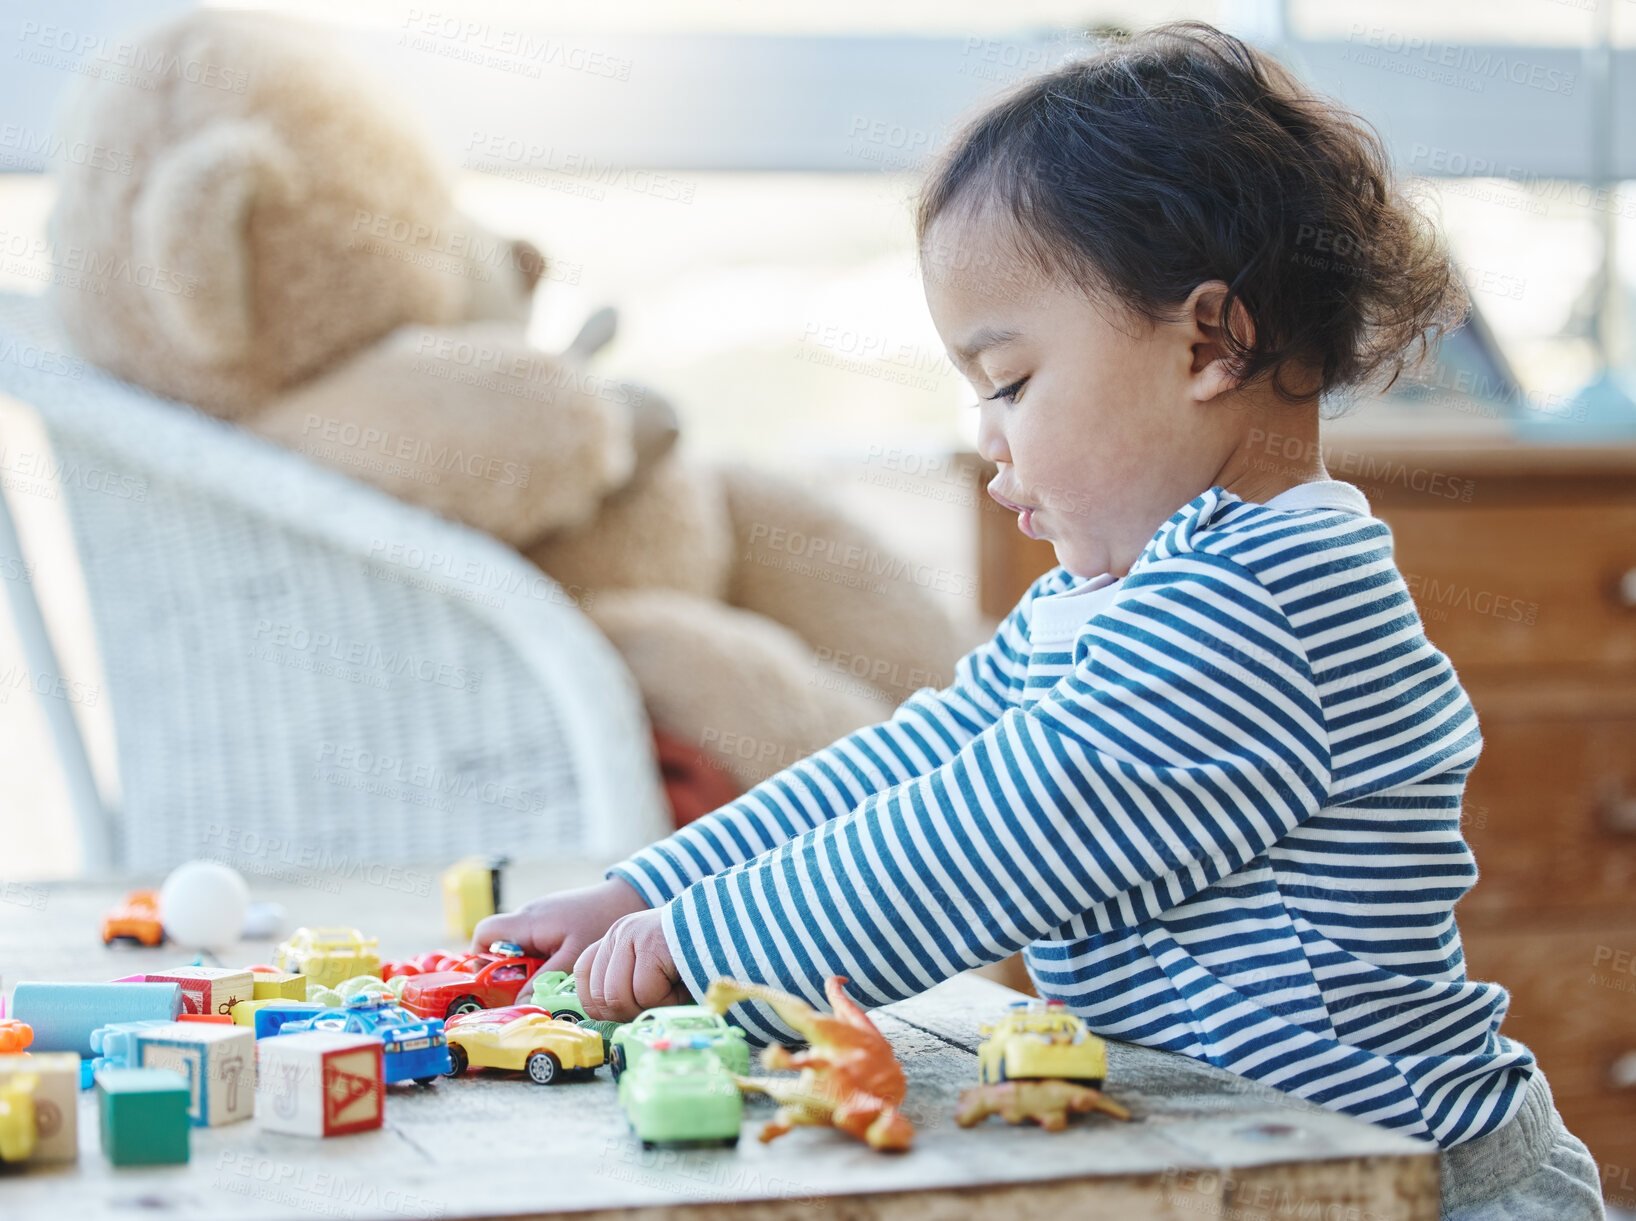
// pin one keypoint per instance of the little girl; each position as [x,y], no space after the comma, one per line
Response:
[1207,774]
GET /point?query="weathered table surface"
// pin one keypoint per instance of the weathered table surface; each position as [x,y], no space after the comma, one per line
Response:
[1203,1143]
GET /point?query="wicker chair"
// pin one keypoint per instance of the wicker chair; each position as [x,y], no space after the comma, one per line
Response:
[298,662]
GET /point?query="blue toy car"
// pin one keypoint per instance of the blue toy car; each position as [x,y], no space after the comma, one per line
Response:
[414,1047]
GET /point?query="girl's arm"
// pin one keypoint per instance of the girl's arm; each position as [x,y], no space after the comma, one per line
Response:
[1187,739]
[927,730]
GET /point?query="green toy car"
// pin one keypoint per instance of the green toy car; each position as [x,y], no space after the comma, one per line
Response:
[679,1091]
[606,1030]
[554,992]
[678,1022]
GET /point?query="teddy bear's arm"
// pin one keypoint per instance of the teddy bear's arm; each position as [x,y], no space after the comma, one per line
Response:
[472,424]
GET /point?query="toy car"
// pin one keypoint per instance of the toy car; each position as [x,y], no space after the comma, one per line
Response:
[136,919]
[326,956]
[676,1022]
[1041,1040]
[679,1090]
[413,1047]
[441,960]
[556,991]
[19,1129]
[421,964]
[471,891]
[358,985]
[521,1038]
[498,982]
[605,1029]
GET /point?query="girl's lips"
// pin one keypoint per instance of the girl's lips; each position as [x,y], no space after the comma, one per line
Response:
[1012,505]
[1025,513]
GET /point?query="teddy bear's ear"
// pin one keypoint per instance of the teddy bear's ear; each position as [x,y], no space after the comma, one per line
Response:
[531,262]
[190,221]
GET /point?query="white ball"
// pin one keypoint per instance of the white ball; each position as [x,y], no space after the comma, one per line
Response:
[202,905]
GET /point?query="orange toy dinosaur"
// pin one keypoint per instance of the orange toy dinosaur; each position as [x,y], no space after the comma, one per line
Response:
[850,1079]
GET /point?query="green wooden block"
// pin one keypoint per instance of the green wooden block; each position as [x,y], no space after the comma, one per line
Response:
[144,1116]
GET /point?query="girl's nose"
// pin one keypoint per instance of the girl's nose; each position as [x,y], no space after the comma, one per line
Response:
[990,439]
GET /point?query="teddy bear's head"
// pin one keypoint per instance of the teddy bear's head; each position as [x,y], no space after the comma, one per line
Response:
[260,213]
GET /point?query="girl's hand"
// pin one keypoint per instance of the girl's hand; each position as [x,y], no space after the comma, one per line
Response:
[629,970]
[557,927]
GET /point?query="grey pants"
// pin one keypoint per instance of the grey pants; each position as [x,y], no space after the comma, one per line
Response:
[1532,1169]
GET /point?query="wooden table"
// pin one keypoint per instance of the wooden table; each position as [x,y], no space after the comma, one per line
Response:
[1203,1144]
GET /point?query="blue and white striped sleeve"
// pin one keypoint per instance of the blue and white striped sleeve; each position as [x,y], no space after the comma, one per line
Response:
[1187,738]
[927,730]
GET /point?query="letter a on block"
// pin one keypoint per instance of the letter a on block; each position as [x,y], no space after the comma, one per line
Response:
[352,1090]
[344,1090]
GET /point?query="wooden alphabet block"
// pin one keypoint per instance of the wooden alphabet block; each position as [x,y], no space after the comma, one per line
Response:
[208,989]
[279,985]
[218,1062]
[56,1101]
[320,1083]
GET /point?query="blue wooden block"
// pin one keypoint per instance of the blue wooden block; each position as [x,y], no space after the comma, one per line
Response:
[270,1018]
[64,1014]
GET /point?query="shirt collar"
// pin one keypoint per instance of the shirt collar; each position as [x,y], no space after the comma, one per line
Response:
[1057,618]
[1321,494]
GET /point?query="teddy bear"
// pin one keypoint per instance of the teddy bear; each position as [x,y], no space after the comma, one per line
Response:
[297,266]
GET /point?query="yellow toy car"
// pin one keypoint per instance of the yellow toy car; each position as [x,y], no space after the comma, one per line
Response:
[18,1129]
[1041,1040]
[326,956]
[522,1038]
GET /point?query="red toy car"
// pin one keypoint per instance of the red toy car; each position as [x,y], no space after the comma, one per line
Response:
[435,960]
[494,983]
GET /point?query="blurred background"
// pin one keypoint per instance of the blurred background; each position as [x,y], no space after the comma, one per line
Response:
[736,178]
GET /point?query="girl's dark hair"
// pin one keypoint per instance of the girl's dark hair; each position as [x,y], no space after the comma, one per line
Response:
[1181,155]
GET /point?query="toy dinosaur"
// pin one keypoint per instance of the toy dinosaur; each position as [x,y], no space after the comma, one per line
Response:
[850,1079]
[1047,1103]
[14,1035]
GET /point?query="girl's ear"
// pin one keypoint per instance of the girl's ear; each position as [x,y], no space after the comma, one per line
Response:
[1212,369]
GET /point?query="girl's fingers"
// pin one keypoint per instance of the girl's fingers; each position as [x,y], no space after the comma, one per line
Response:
[566,956]
[619,972]
[653,985]
[587,980]
[520,927]
[627,971]
[494,928]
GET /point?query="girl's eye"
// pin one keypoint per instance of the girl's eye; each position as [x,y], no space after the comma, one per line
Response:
[1009,393]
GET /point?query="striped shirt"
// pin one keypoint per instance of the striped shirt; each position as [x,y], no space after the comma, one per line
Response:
[1216,804]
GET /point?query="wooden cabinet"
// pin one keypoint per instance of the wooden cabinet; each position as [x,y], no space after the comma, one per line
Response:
[1522,561]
